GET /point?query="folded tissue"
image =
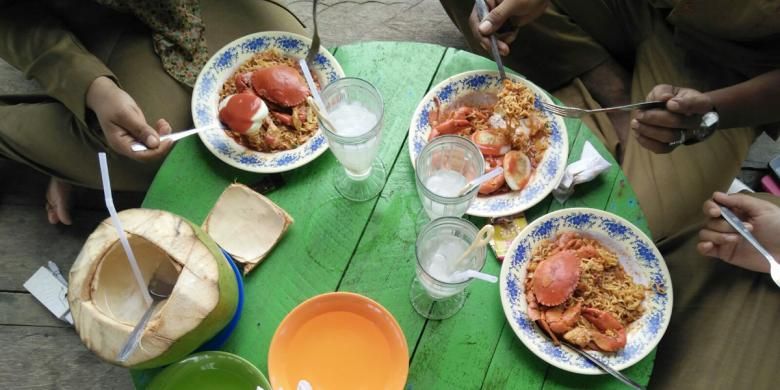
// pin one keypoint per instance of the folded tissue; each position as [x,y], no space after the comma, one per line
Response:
[590,165]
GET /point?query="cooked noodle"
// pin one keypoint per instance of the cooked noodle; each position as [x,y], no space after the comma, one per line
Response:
[527,129]
[274,135]
[603,284]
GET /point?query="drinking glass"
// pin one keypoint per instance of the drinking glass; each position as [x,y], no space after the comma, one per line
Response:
[443,167]
[436,293]
[355,108]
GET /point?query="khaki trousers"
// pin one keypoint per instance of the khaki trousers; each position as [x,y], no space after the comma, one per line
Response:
[573,37]
[42,133]
[725,320]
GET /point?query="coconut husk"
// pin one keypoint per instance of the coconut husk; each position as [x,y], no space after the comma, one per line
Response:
[106,302]
[246,224]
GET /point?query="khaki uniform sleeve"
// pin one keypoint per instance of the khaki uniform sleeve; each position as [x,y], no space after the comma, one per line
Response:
[37,43]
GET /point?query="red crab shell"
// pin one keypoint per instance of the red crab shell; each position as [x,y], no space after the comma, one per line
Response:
[556,277]
[280,84]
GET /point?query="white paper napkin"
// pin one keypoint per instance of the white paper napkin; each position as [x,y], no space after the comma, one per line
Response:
[590,165]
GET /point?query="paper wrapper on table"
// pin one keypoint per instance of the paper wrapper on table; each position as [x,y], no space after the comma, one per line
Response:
[590,165]
[505,229]
[246,224]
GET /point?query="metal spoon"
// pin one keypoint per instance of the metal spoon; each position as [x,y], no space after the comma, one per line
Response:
[736,223]
[315,38]
[160,288]
[139,147]
[609,370]
[482,12]
[307,62]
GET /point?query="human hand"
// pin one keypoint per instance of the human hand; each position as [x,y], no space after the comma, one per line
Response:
[656,128]
[719,239]
[123,122]
[516,12]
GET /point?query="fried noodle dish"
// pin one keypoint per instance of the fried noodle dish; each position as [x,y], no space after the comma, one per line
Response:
[577,289]
[506,127]
[264,104]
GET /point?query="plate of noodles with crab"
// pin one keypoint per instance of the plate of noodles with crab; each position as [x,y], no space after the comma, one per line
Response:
[588,279]
[507,122]
[252,97]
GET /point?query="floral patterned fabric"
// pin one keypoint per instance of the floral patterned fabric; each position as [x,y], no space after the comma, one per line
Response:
[178,37]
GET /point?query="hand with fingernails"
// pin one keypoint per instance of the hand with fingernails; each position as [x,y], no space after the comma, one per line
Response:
[123,122]
[718,239]
[504,19]
[662,130]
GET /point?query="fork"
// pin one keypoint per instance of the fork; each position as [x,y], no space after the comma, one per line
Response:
[315,38]
[574,112]
[309,60]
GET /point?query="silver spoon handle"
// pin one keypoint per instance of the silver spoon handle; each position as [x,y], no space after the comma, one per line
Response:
[135,335]
[737,224]
[617,374]
[482,11]
[139,147]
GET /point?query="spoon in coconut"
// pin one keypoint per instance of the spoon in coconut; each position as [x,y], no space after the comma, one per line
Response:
[160,288]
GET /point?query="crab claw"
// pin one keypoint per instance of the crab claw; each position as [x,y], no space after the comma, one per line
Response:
[556,277]
[561,321]
[462,112]
[285,119]
[243,82]
[280,84]
[452,126]
[611,335]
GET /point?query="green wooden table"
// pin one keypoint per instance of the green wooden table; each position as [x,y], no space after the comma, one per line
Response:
[368,248]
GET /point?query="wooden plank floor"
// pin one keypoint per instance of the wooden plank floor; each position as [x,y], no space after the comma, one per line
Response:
[39,350]
[42,352]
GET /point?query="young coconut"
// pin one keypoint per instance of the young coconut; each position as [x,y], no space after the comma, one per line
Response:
[106,302]
[246,224]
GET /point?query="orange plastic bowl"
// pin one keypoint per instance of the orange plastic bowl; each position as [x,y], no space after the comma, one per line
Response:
[339,341]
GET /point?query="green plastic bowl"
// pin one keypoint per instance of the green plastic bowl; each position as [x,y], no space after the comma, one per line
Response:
[210,370]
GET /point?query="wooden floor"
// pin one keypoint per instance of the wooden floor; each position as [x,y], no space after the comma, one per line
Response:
[41,352]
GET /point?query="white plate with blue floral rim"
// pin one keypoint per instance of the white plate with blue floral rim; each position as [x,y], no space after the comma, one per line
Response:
[545,177]
[205,100]
[636,253]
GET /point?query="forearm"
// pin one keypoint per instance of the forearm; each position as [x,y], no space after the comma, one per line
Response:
[750,103]
[37,43]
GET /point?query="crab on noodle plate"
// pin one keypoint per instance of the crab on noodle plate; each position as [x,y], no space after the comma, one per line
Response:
[591,279]
[506,121]
[252,93]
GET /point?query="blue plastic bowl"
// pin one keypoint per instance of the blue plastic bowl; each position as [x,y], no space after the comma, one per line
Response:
[220,338]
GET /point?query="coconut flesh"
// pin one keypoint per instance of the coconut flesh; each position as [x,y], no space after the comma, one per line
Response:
[246,224]
[107,303]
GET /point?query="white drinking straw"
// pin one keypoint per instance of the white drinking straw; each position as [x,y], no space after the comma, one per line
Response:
[312,86]
[479,180]
[471,273]
[119,230]
[320,114]
[483,238]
